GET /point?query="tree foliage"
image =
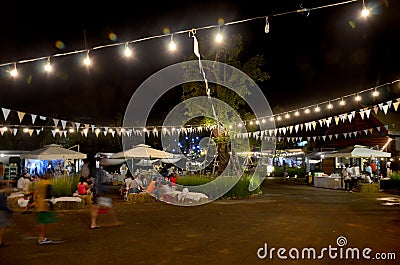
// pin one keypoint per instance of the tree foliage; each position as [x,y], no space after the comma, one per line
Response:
[230,53]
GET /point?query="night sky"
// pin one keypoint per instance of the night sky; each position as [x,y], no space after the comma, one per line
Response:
[311,57]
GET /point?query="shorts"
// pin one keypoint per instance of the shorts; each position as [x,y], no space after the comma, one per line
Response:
[104,201]
[47,217]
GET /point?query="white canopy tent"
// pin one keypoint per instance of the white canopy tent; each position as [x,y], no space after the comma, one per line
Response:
[53,152]
[143,151]
[358,151]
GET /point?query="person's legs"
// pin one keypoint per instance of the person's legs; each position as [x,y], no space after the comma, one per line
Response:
[2,231]
[93,216]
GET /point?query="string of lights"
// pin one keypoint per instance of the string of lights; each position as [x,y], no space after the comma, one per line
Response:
[172,46]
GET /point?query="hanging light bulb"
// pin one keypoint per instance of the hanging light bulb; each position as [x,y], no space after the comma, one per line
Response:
[364,12]
[330,106]
[342,102]
[297,113]
[14,71]
[287,116]
[127,50]
[219,37]
[358,98]
[266,25]
[87,60]
[172,45]
[375,93]
[307,111]
[317,109]
[47,67]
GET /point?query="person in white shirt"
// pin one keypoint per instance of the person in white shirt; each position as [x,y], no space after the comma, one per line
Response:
[20,183]
[346,173]
[27,182]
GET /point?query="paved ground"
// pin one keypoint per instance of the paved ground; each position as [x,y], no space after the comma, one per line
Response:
[292,217]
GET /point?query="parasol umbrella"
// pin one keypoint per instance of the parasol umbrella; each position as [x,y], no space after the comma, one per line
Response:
[358,152]
[53,152]
[143,151]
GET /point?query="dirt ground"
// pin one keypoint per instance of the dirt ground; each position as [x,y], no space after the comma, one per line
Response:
[220,232]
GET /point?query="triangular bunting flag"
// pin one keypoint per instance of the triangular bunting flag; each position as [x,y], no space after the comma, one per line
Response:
[328,121]
[362,114]
[324,137]
[336,120]
[37,131]
[20,115]
[368,112]
[53,132]
[43,118]
[33,118]
[350,117]
[336,135]
[385,109]
[6,112]
[389,103]
[314,124]
[366,131]
[378,129]
[56,122]
[380,105]
[396,105]
[330,136]
[15,130]
[355,134]
[30,131]
[63,123]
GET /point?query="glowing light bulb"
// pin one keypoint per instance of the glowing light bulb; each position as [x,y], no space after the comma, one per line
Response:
[358,98]
[307,111]
[297,113]
[375,93]
[330,106]
[172,45]
[87,61]
[342,102]
[14,72]
[365,12]
[317,109]
[127,51]
[219,37]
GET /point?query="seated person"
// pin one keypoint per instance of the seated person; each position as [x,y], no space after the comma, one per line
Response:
[83,187]
[136,185]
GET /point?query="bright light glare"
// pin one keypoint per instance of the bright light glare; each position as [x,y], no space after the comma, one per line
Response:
[14,72]
[172,45]
[48,67]
[365,12]
[87,60]
[218,37]
[127,52]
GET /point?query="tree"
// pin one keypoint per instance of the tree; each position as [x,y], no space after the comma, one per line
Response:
[231,54]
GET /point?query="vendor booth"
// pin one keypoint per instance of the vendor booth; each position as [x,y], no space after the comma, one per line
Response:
[51,157]
[354,155]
